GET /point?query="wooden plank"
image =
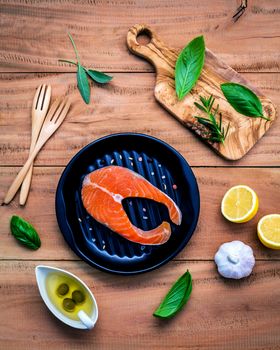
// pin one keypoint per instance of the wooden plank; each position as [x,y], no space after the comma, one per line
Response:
[212,229]
[221,314]
[126,104]
[33,34]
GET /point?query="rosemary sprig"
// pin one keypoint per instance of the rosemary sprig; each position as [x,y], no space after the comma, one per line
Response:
[215,133]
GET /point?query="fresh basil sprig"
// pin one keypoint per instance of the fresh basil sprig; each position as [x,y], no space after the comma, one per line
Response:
[82,73]
[176,298]
[25,233]
[189,66]
[243,100]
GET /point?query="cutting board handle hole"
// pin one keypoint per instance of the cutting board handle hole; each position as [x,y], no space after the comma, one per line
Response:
[144,37]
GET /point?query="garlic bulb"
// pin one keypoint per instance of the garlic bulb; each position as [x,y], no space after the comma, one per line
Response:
[235,260]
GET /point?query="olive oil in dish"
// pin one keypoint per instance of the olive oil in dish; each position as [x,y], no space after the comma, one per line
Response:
[67,295]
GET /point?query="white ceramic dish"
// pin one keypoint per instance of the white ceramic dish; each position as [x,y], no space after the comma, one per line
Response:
[86,321]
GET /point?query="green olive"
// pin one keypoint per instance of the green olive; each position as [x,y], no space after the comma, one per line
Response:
[63,289]
[78,296]
[68,304]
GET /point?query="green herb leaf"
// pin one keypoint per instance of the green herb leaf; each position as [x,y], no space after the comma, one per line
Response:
[243,100]
[82,72]
[83,84]
[215,133]
[25,233]
[176,298]
[99,77]
[189,66]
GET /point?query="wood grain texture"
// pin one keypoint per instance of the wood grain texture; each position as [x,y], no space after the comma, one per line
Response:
[126,104]
[33,33]
[220,314]
[243,133]
[211,232]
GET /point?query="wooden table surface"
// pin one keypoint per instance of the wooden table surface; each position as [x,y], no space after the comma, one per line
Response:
[221,314]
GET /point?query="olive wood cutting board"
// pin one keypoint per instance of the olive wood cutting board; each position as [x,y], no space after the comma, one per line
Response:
[244,131]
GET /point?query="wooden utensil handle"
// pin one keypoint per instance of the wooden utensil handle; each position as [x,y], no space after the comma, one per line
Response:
[18,180]
[156,52]
[21,175]
[27,181]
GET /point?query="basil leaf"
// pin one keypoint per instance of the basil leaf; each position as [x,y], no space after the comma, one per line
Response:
[83,84]
[243,100]
[176,298]
[189,66]
[25,233]
[99,77]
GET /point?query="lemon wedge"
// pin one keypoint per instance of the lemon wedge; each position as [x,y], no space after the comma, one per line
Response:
[269,231]
[240,204]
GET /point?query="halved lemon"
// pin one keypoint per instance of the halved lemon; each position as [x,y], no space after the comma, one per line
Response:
[269,231]
[240,204]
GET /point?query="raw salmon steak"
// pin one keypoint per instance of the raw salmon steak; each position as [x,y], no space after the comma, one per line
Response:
[103,191]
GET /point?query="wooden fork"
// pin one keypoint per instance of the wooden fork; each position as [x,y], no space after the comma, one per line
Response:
[54,119]
[40,108]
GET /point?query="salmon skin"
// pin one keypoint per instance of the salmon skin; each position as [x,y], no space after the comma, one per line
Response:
[103,191]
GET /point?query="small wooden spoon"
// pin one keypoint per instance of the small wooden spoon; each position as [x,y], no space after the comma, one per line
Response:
[54,119]
[40,108]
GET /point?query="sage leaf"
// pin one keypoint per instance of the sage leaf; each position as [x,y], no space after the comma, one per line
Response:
[189,66]
[83,84]
[243,100]
[82,73]
[99,77]
[25,233]
[176,298]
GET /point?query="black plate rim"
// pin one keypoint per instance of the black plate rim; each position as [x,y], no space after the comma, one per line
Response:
[67,232]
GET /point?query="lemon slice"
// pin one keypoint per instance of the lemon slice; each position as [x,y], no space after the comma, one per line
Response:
[240,204]
[269,231]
